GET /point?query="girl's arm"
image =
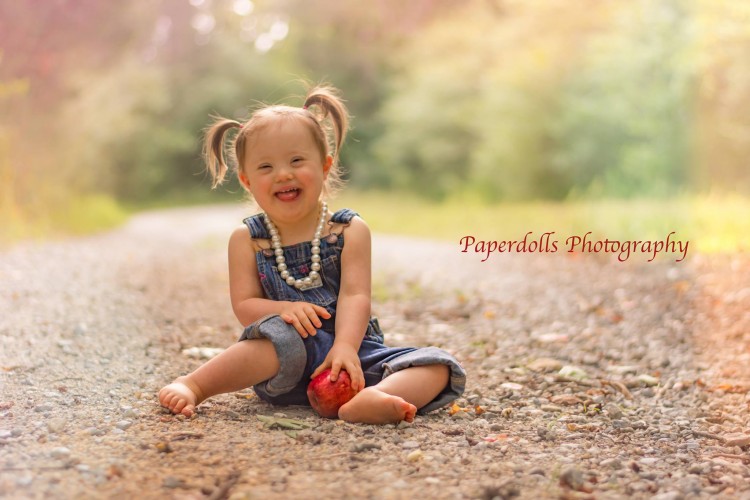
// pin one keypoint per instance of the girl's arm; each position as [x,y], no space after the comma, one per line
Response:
[246,292]
[353,307]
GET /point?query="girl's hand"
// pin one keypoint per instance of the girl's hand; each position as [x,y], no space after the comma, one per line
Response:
[303,316]
[343,356]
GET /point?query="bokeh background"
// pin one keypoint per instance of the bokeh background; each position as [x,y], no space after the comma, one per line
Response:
[631,118]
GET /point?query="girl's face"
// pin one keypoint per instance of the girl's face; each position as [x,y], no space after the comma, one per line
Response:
[284,170]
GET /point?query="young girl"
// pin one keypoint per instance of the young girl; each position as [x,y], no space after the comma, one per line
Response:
[300,279]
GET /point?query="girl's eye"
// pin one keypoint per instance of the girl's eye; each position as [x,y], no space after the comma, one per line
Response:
[264,166]
[296,160]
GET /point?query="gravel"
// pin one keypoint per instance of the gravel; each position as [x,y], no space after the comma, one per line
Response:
[586,377]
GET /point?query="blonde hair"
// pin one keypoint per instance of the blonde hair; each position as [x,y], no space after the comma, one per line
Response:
[328,107]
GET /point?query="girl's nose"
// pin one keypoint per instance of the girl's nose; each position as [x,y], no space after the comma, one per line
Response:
[284,174]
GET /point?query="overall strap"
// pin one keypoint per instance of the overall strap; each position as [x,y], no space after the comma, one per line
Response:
[343,216]
[257,227]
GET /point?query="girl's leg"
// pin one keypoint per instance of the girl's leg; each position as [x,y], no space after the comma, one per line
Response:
[242,365]
[398,396]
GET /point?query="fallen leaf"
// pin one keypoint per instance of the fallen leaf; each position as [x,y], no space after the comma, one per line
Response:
[163,447]
[566,399]
[478,410]
[454,409]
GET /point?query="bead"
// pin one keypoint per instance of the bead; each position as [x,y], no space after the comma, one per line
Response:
[281,267]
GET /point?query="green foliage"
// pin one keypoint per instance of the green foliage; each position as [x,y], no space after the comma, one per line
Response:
[623,123]
[477,100]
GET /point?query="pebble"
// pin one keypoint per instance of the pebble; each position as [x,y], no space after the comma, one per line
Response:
[123,424]
[571,477]
[408,445]
[415,456]
[611,462]
[43,408]
[613,411]
[737,439]
[56,425]
[60,452]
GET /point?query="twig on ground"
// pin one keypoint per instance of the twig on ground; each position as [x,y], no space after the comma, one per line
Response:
[222,491]
[744,458]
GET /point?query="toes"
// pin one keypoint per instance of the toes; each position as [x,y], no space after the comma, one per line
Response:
[177,408]
[188,410]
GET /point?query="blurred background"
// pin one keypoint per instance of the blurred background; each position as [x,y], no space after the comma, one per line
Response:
[632,117]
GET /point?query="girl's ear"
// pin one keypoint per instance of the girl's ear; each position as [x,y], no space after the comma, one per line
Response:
[327,165]
[244,180]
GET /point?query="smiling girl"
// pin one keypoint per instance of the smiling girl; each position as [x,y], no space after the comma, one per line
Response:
[300,279]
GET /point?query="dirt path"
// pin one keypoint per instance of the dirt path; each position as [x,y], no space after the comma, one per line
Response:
[587,377]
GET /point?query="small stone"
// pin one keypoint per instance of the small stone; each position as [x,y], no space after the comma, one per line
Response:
[648,461]
[737,439]
[545,365]
[573,372]
[611,462]
[432,480]
[538,471]
[130,413]
[4,434]
[550,408]
[572,477]
[669,495]
[613,411]
[415,456]
[696,469]
[648,380]
[55,425]
[511,386]
[43,408]
[60,453]
[172,482]
[408,445]
[123,424]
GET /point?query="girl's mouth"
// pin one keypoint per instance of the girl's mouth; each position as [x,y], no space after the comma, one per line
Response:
[288,194]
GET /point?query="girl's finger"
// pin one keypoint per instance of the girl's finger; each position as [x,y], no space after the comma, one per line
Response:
[321,311]
[335,369]
[307,325]
[319,369]
[298,326]
[310,312]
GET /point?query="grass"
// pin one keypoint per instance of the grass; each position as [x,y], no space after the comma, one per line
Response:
[711,223]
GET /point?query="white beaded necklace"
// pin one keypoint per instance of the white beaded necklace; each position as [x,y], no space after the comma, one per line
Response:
[313,279]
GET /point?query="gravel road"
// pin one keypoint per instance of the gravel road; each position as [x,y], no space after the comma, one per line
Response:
[587,378]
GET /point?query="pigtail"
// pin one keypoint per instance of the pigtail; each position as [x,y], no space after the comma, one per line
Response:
[327,99]
[213,149]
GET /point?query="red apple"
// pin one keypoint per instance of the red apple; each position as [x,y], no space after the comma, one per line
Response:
[327,397]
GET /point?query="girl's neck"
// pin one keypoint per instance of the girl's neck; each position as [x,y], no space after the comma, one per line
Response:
[299,231]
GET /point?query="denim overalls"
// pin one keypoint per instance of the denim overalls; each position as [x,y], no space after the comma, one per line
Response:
[298,357]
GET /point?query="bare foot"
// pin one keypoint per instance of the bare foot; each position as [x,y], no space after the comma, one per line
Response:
[373,406]
[180,396]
